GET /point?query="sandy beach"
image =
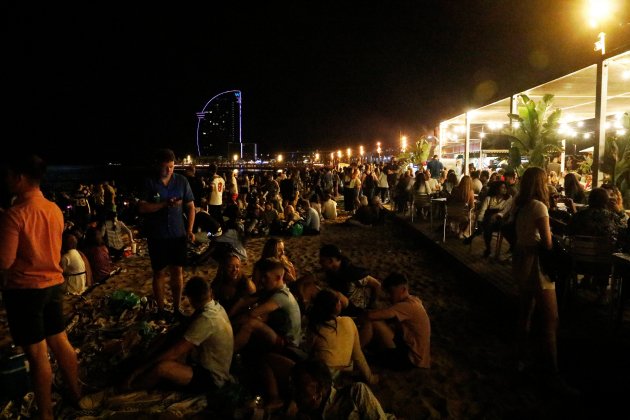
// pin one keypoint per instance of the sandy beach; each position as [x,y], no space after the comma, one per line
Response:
[473,374]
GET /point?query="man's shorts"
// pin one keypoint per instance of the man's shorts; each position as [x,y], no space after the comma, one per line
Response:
[397,359]
[202,380]
[167,252]
[34,314]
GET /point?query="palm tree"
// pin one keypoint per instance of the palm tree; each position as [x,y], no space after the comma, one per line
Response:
[418,153]
[616,160]
[536,134]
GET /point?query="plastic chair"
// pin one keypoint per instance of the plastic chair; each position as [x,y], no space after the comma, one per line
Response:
[590,255]
[457,212]
[421,202]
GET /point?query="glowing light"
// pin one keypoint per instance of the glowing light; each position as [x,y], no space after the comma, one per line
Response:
[316,157]
[339,154]
[332,156]
[235,157]
[598,11]
[403,143]
[280,158]
[349,152]
[580,124]
[621,132]
[626,74]
[587,136]
[482,134]
[361,151]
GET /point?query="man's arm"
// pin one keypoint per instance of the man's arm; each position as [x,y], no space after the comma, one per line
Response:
[146,207]
[264,309]
[380,314]
[190,217]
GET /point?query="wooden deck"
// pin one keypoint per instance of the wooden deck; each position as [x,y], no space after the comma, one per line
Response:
[496,271]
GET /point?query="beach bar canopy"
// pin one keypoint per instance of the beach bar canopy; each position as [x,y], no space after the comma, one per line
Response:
[576,94]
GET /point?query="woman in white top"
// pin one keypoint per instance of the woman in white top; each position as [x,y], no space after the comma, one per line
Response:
[493,209]
[535,288]
[74,265]
[383,185]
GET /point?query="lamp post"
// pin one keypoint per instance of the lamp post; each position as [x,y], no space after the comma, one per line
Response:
[403,143]
[598,12]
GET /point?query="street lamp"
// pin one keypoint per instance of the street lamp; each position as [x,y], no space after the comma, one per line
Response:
[599,11]
[280,157]
[378,149]
[316,157]
[403,143]
[235,157]
[349,153]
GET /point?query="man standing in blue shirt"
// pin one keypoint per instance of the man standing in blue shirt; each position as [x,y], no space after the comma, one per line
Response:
[166,194]
[435,167]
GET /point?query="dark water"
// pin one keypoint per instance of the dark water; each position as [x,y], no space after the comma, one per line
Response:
[67,177]
[126,178]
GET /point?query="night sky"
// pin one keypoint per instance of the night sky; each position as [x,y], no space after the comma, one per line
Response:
[99,82]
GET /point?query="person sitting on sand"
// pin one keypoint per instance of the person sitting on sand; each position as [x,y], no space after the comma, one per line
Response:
[274,248]
[208,341]
[75,266]
[274,318]
[112,231]
[230,284]
[311,218]
[368,214]
[329,208]
[270,332]
[357,289]
[316,397]
[334,339]
[98,255]
[402,331]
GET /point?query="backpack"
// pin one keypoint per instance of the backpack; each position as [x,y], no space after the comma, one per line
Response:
[369,182]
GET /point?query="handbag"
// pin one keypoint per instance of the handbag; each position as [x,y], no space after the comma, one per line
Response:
[550,260]
[508,230]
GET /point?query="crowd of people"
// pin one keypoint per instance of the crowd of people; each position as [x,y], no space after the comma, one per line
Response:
[261,330]
[278,327]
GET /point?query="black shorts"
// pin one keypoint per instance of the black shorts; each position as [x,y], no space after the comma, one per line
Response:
[202,381]
[34,314]
[167,252]
[397,359]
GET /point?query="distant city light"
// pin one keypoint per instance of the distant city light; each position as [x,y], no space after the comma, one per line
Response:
[235,157]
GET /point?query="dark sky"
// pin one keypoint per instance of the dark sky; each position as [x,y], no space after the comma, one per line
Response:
[102,82]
